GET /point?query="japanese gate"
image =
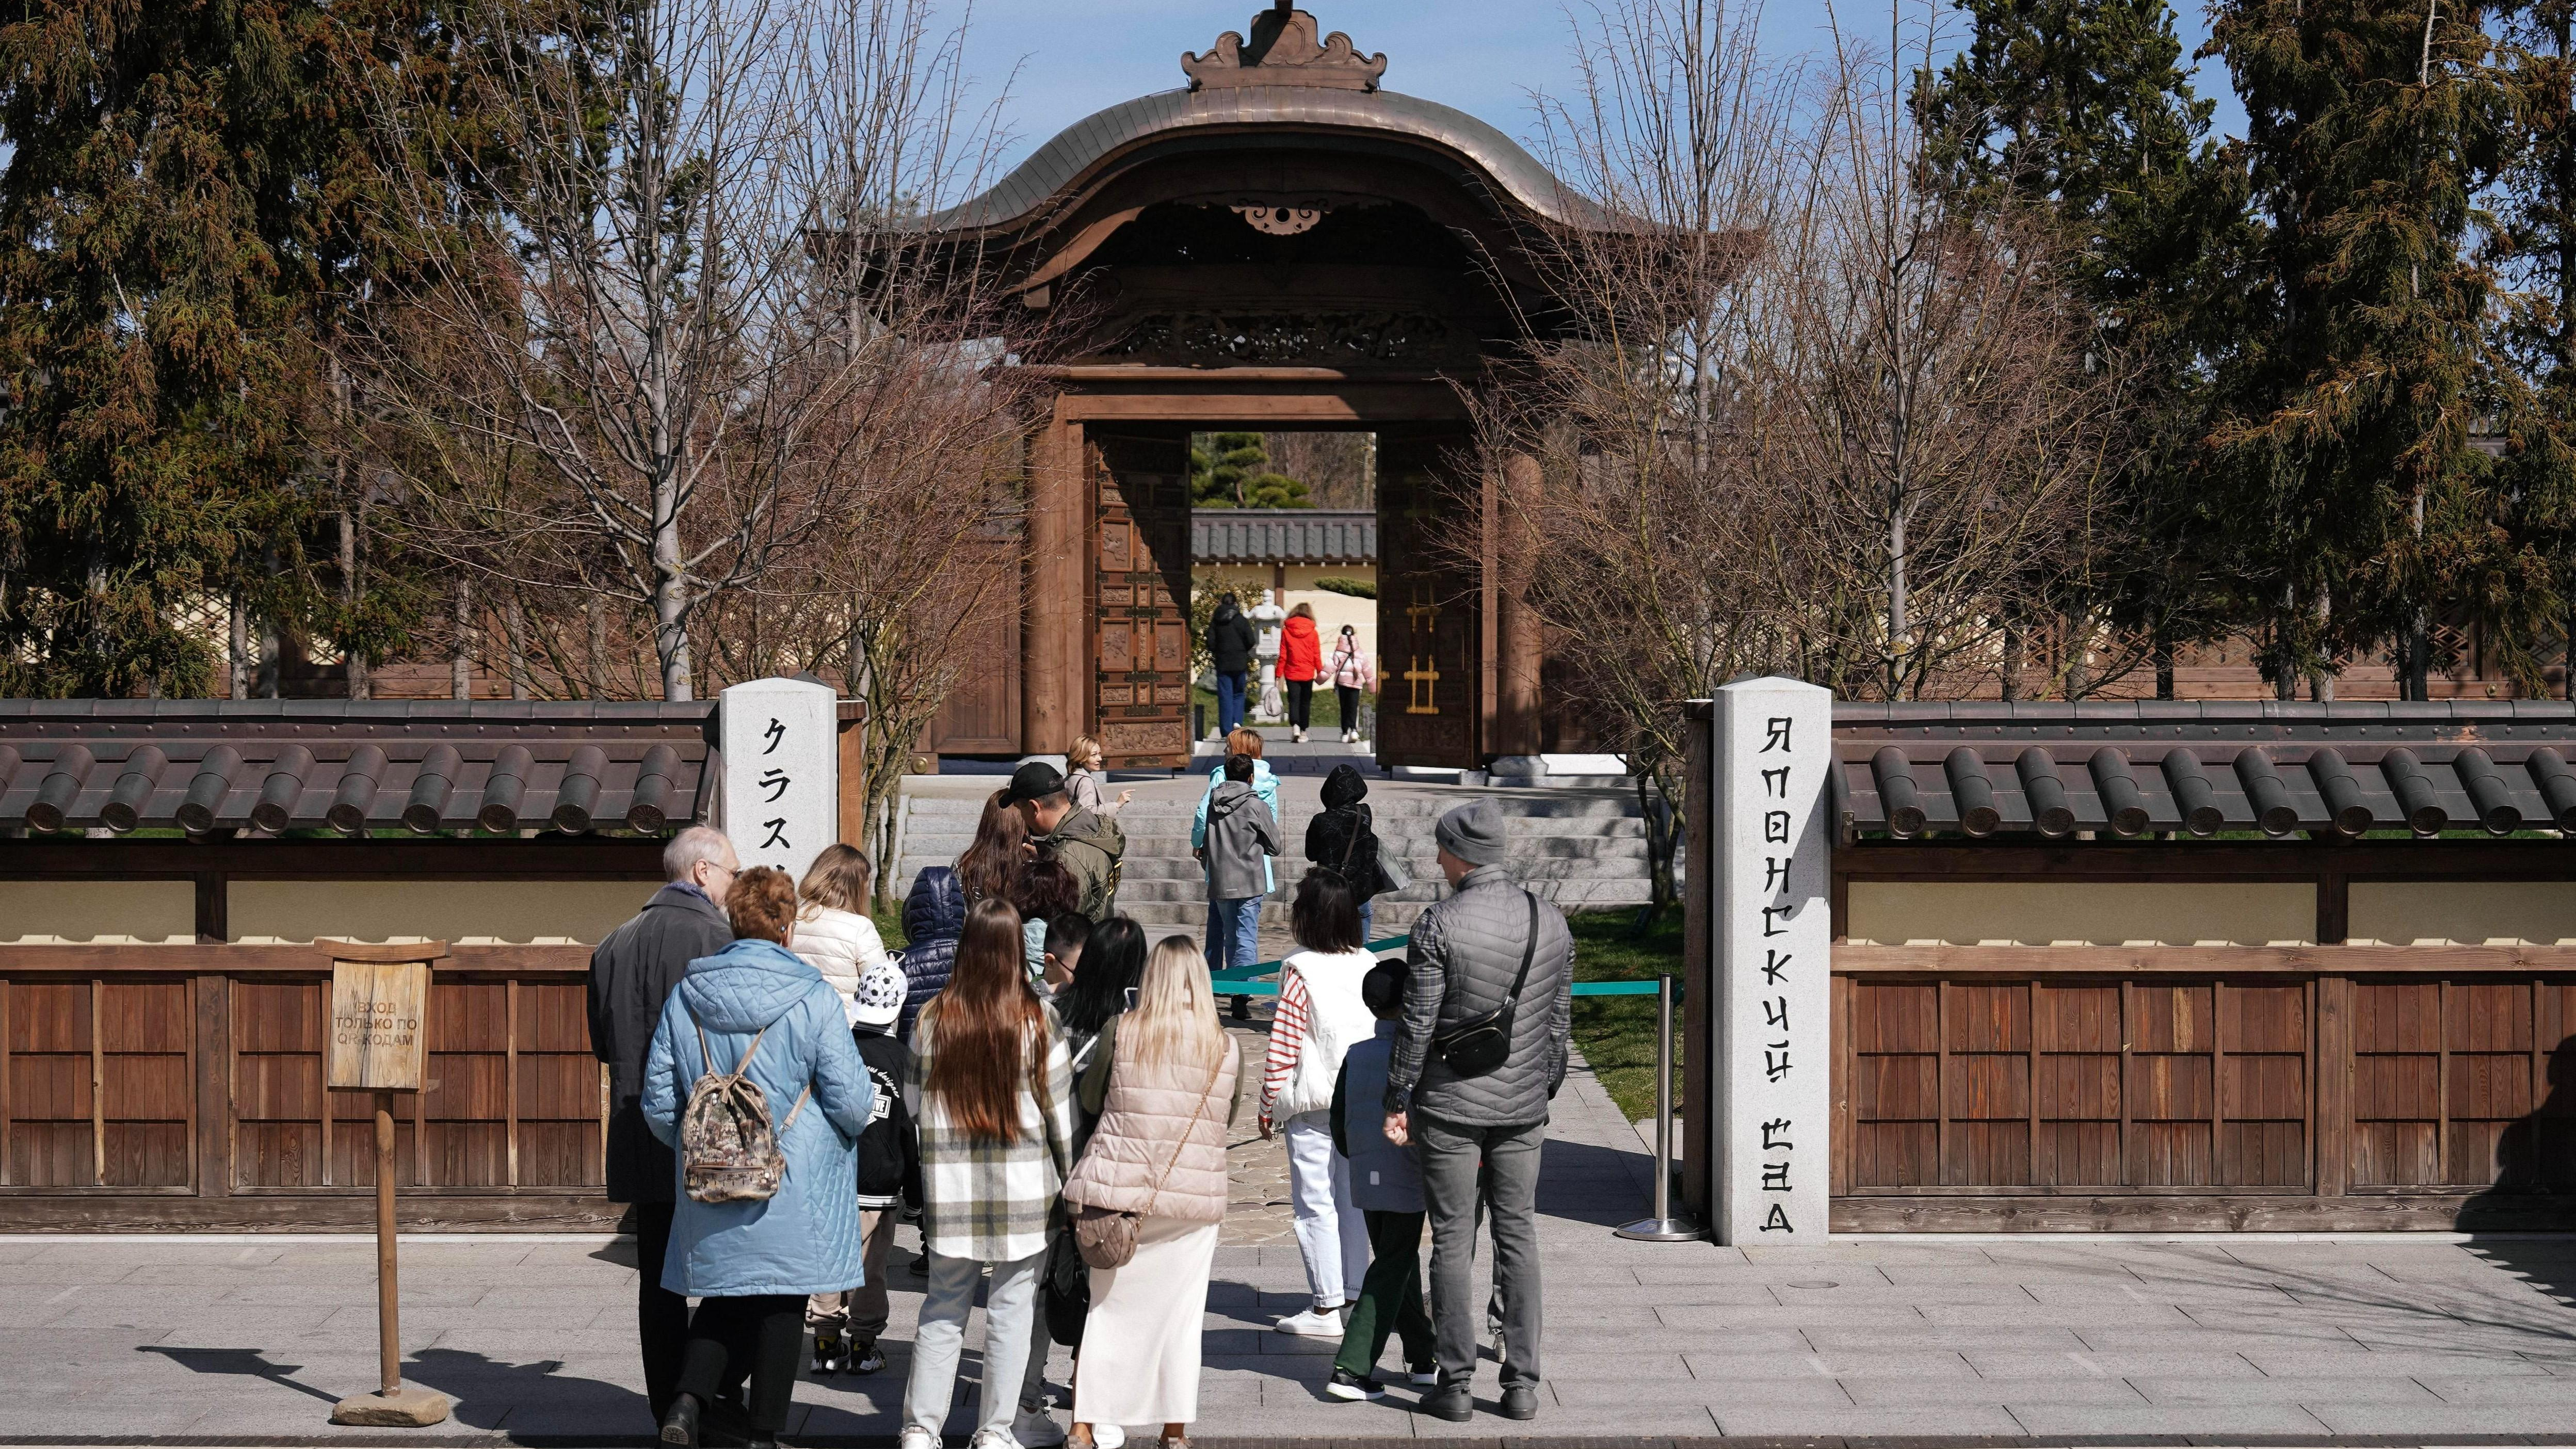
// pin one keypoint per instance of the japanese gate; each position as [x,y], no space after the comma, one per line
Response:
[1281,246]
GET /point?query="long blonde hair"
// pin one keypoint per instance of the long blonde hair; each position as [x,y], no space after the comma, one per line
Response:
[1175,1017]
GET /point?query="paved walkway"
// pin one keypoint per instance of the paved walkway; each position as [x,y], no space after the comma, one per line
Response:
[2045,1340]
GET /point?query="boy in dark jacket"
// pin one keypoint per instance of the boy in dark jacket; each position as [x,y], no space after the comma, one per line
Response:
[846,1325]
[1241,837]
[1387,1189]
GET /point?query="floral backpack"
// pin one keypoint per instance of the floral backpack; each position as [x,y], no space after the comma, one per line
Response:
[728,1150]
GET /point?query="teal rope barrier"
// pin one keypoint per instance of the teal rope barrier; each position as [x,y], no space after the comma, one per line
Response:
[1246,980]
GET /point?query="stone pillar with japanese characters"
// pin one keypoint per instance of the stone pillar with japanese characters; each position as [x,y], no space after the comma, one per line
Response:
[1773,935]
[781,800]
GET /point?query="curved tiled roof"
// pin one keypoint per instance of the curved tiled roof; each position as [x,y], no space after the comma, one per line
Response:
[425,767]
[1283,535]
[2124,768]
[1356,115]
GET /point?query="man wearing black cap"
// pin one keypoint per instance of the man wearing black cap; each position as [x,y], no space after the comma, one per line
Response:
[1083,841]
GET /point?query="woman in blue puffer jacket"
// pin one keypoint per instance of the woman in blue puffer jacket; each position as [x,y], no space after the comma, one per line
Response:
[752,1263]
[934,917]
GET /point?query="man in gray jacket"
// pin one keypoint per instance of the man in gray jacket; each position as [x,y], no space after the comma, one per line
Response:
[631,974]
[1467,951]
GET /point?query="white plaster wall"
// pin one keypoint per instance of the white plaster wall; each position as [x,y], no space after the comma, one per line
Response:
[464,913]
[103,913]
[2080,913]
[2467,913]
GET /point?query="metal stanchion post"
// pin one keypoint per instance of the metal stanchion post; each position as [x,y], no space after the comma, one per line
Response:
[1663,1227]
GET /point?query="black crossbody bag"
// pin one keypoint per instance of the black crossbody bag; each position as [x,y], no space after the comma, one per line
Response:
[1481,1043]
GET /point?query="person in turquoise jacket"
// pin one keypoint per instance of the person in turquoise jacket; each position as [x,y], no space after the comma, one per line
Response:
[752,1264]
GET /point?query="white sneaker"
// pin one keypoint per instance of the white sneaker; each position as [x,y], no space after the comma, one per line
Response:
[1036,1429]
[1313,1323]
[989,1439]
[1108,1436]
[917,1437]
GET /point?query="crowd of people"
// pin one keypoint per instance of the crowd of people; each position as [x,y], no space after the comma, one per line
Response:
[1051,1097]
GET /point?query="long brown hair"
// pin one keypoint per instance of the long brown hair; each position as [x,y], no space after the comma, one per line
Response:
[993,861]
[985,1030]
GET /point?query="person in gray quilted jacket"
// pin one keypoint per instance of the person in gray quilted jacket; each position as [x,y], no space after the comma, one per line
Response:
[1466,952]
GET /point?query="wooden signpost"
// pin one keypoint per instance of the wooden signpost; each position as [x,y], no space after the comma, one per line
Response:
[378,1043]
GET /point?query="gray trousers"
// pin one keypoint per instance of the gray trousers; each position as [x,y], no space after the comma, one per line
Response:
[1010,1310]
[1450,1155]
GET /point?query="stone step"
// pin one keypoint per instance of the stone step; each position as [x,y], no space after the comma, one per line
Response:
[1563,892]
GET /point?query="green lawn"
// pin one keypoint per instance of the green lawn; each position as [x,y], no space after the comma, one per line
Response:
[1617,1033]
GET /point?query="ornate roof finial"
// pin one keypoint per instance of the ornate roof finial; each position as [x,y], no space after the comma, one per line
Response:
[1284,51]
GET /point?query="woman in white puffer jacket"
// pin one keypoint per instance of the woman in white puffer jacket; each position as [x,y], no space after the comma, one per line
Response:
[830,933]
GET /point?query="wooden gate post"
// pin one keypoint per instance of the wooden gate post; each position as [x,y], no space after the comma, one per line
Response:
[379,1042]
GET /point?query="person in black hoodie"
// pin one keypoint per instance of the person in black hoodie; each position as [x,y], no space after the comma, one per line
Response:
[846,1325]
[1230,639]
[1342,838]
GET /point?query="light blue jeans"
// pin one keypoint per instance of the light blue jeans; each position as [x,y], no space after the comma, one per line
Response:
[1233,933]
[1368,915]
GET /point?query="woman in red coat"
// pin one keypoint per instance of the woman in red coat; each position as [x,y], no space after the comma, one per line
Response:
[1301,657]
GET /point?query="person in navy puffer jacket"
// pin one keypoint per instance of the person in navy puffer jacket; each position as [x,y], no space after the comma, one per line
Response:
[758,1008]
[934,917]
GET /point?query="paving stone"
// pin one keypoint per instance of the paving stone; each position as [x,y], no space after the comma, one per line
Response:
[2062,1389]
[2504,1389]
[2141,1419]
[1940,1335]
[1946,1421]
[2016,1364]
[2377,1388]
[2436,1419]
[2302,1362]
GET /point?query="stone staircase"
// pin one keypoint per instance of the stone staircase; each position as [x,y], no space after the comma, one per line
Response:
[1582,849]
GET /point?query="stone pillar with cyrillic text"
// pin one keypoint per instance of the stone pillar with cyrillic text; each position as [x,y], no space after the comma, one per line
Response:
[781,748]
[1773,937]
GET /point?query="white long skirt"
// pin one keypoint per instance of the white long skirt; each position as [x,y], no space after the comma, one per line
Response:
[1140,1344]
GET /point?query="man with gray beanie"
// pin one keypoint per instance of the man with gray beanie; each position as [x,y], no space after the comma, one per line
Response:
[1488,1021]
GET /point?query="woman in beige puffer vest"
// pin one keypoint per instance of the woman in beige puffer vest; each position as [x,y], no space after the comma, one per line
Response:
[1159,1152]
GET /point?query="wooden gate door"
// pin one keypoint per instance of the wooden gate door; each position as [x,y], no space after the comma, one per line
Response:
[1429,615]
[1141,592]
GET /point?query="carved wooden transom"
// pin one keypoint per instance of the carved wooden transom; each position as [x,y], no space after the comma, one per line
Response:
[1284,51]
[1280,220]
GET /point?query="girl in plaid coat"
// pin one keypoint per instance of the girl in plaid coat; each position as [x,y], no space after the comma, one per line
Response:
[991,1091]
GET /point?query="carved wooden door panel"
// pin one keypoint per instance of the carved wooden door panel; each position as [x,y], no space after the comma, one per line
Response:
[1140,592]
[1429,623]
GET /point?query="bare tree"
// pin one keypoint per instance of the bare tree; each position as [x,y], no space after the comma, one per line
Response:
[631,323]
[1812,417]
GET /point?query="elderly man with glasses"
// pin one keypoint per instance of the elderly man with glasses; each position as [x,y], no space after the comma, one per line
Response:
[631,973]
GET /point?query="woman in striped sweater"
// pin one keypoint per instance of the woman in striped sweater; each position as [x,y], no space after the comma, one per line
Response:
[1321,1016]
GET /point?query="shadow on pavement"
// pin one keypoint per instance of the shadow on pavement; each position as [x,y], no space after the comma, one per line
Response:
[488,1390]
[239,1362]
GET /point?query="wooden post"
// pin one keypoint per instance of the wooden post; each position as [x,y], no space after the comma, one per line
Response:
[377,1041]
[388,1291]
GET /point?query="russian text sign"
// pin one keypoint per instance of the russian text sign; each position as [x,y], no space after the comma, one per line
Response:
[378,1011]
[782,789]
[1773,932]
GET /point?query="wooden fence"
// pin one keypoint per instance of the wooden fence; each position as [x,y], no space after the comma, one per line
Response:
[1991,1088]
[182,1086]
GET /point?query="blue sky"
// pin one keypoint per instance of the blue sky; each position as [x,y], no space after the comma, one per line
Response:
[1483,57]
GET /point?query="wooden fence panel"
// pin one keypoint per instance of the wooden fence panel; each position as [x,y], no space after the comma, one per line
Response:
[560,1090]
[147,1087]
[53,1140]
[2396,1083]
[2077,1043]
